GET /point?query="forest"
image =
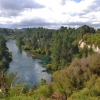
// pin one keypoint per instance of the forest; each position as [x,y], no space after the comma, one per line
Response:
[75,71]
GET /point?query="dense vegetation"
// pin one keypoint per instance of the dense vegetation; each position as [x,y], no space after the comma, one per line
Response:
[5,55]
[9,33]
[60,45]
[92,39]
[75,71]
[5,58]
[79,81]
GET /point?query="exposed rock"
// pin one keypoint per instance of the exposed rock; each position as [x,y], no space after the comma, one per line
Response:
[82,44]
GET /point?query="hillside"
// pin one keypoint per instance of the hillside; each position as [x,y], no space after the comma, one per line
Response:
[75,71]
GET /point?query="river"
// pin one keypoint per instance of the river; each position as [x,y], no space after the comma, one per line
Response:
[28,69]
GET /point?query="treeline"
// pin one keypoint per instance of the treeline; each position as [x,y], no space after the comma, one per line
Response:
[5,55]
[5,58]
[9,33]
[60,45]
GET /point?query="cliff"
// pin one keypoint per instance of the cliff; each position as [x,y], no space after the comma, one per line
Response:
[82,44]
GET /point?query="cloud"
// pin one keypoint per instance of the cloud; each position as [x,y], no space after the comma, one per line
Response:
[9,13]
[95,6]
[63,2]
[78,24]
[39,22]
[49,13]
[35,22]
[19,4]
[14,7]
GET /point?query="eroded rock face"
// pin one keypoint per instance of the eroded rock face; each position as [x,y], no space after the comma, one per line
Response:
[95,48]
[82,44]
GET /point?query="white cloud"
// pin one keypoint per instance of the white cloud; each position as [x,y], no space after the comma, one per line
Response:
[53,13]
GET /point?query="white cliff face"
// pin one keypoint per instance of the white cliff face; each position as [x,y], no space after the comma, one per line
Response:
[89,46]
[83,44]
[80,41]
[95,48]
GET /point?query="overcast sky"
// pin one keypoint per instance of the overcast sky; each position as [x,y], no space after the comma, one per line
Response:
[49,13]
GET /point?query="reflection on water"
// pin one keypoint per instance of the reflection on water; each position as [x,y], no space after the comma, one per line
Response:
[27,68]
[19,50]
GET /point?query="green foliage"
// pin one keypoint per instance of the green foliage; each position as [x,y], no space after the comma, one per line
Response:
[6,82]
[60,45]
[5,55]
[9,33]
[57,44]
[81,76]
[79,81]
[91,39]
[80,95]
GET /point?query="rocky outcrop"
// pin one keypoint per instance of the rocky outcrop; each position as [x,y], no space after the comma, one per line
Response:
[82,44]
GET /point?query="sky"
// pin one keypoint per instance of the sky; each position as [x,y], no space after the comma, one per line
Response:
[49,13]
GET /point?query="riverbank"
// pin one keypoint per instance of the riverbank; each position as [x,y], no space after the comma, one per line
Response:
[38,54]
[28,69]
[5,55]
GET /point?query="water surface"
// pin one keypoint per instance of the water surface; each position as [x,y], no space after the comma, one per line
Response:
[27,68]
